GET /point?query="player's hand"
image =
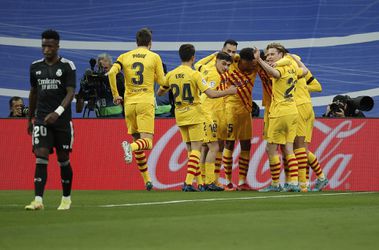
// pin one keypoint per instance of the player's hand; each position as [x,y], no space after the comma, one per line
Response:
[257,53]
[117,100]
[340,113]
[232,90]
[51,118]
[272,64]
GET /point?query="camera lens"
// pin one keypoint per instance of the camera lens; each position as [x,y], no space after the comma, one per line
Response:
[334,107]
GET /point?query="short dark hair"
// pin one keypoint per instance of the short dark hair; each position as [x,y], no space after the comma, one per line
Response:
[247,54]
[143,37]
[186,52]
[224,56]
[14,98]
[50,34]
[230,41]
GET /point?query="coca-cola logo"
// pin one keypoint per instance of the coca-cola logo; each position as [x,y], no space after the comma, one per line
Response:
[168,159]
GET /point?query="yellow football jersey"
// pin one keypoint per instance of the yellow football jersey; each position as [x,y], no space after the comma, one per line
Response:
[206,61]
[283,101]
[215,81]
[186,85]
[301,89]
[141,68]
[312,83]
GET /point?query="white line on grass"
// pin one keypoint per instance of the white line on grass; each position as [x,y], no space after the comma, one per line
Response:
[226,199]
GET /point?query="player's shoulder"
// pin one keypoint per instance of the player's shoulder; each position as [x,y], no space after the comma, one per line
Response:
[69,63]
[36,63]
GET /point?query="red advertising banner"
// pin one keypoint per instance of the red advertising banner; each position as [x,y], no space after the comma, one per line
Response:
[346,149]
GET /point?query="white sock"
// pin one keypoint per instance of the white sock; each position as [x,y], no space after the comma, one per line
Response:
[68,198]
[38,199]
[240,182]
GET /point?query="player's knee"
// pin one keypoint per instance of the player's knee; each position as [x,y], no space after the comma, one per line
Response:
[64,163]
[41,160]
[41,153]
[63,156]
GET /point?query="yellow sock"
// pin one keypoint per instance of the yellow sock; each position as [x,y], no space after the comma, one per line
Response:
[199,174]
[218,166]
[302,160]
[293,168]
[286,170]
[192,166]
[274,162]
[142,144]
[243,163]
[142,165]
[209,172]
[315,165]
[227,158]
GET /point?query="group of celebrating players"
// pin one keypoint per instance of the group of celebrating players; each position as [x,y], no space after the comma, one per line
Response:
[213,105]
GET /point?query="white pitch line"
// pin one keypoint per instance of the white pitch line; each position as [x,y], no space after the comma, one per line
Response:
[226,199]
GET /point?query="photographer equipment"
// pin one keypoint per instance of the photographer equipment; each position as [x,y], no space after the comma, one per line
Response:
[351,107]
[24,110]
[95,90]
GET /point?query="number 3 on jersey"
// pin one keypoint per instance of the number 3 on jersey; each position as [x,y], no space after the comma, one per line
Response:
[138,80]
[182,96]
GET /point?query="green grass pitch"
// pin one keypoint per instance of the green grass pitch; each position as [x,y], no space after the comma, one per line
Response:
[175,220]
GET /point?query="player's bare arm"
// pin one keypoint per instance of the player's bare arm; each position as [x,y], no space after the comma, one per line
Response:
[265,66]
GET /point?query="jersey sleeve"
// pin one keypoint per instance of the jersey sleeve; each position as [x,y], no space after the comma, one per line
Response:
[71,75]
[201,82]
[282,70]
[204,61]
[159,74]
[166,85]
[312,83]
[112,73]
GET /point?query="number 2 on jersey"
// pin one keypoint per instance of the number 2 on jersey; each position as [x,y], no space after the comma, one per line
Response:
[139,73]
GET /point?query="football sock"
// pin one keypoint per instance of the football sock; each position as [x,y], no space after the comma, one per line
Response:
[66,177]
[218,166]
[286,170]
[243,163]
[302,160]
[315,165]
[142,144]
[199,174]
[274,162]
[142,165]
[209,172]
[293,169]
[192,166]
[40,176]
[227,159]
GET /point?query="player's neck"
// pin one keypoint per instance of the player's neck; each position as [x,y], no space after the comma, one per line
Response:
[51,61]
[189,64]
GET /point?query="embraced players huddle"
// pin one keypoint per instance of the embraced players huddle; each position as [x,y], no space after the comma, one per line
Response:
[213,105]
